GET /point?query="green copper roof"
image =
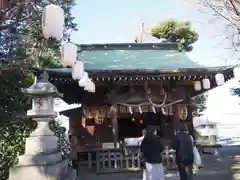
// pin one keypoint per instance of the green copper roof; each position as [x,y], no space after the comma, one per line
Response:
[135,56]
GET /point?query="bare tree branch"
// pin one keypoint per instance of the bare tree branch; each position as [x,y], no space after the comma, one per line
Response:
[229,12]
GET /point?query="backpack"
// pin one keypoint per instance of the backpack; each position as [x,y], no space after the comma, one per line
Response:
[184,151]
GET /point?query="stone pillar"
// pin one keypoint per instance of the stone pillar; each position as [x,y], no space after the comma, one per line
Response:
[42,159]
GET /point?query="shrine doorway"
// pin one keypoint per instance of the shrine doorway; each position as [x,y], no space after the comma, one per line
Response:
[129,127]
[132,126]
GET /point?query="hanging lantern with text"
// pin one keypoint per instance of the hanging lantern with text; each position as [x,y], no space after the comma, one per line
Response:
[100,115]
[182,112]
[206,83]
[77,70]
[220,80]
[69,54]
[53,22]
[236,73]
[197,86]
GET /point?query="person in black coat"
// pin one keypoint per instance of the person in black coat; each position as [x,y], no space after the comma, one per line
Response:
[151,149]
[183,145]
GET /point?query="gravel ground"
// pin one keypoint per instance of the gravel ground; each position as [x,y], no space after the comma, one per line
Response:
[224,167]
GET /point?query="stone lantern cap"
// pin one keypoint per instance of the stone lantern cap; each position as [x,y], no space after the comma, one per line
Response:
[42,88]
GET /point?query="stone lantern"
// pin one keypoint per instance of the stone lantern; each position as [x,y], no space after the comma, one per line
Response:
[42,159]
[42,93]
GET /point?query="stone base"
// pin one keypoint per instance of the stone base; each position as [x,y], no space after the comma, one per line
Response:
[43,166]
[44,172]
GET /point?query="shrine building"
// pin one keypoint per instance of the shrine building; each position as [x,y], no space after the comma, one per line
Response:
[138,85]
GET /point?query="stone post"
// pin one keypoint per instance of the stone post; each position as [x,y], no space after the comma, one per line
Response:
[42,159]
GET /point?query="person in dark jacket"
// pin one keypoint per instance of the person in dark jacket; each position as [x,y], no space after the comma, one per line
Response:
[151,149]
[183,145]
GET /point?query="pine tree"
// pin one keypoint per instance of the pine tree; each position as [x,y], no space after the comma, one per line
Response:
[176,31]
[199,104]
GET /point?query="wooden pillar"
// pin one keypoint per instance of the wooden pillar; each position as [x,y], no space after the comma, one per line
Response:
[176,120]
[114,123]
[190,122]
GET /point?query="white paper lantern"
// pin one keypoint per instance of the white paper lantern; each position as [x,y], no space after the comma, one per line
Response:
[90,86]
[236,73]
[53,22]
[69,54]
[84,80]
[220,80]
[46,32]
[77,70]
[206,83]
[197,86]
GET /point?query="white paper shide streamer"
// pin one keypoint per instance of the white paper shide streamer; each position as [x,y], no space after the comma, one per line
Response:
[53,22]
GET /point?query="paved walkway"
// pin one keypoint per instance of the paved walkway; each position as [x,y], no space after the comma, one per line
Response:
[225,167]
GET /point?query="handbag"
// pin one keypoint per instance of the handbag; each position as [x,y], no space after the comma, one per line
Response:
[197,158]
[197,161]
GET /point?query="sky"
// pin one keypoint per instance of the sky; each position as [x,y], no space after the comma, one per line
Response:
[108,21]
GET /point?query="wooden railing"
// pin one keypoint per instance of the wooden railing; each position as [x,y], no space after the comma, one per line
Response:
[114,160]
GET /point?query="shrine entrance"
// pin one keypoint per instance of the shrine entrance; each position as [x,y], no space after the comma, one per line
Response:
[131,126]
